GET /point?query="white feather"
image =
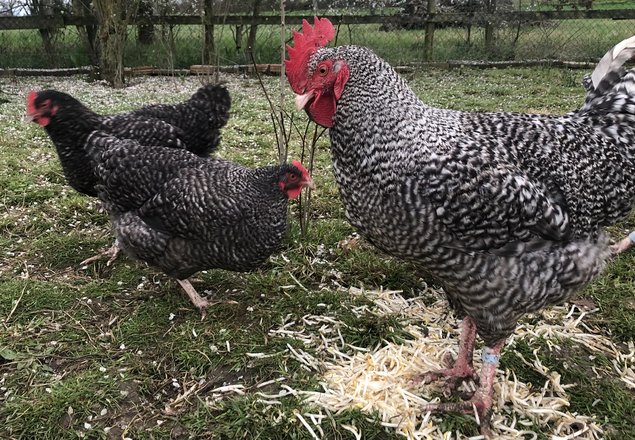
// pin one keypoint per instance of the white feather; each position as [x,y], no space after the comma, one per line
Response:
[614,59]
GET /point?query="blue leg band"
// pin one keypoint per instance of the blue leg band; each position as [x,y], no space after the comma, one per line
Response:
[490,358]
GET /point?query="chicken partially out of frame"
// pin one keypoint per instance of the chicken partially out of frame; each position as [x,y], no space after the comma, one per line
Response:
[505,210]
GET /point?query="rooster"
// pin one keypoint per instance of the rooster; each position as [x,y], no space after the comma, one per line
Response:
[193,125]
[505,210]
[182,213]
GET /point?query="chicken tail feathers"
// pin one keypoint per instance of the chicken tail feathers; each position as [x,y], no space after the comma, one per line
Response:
[610,99]
[610,78]
[612,62]
[215,101]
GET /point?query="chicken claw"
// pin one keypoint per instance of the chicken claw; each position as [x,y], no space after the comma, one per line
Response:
[480,404]
[623,244]
[462,370]
[112,252]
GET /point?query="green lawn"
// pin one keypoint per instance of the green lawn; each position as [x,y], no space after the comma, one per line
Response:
[119,352]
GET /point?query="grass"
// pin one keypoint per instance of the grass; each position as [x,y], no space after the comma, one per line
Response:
[108,352]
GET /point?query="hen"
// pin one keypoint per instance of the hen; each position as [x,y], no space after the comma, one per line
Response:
[505,210]
[182,213]
[193,125]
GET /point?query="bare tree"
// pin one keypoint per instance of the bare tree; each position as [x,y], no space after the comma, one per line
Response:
[48,8]
[145,31]
[10,7]
[113,17]
[87,32]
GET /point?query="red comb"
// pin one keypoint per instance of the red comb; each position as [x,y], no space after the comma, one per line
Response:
[305,44]
[303,170]
[30,102]
[298,165]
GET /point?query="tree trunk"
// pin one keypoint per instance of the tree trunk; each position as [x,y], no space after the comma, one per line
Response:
[113,16]
[87,33]
[428,42]
[145,31]
[251,39]
[490,29]
[44,7]
[209,50]
[239,36]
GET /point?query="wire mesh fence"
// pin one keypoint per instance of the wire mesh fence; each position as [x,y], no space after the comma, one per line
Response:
[399,41]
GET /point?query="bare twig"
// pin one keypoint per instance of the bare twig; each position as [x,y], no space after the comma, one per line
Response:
[283,146]
[284,124]
[277,119]
[305,201]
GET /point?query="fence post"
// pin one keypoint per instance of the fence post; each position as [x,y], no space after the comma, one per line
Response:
[429,38]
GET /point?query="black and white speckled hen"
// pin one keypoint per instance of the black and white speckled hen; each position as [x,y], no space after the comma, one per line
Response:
[506,210]
[193,125]
[182,213]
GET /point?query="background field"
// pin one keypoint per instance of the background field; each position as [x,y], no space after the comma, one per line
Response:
[119,352]
[462,36]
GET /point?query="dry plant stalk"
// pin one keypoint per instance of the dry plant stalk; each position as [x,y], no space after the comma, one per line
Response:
[283,131]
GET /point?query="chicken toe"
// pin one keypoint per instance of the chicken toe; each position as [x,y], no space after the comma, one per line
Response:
[480,404]
[112,252]
[462,370]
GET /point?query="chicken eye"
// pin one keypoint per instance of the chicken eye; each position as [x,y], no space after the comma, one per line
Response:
[292,177]
[323,70]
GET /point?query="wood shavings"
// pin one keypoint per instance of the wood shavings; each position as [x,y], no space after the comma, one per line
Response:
[306,425]
[384,379]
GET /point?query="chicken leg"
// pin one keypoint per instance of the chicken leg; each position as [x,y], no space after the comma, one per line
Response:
[112,252]
[462,369]
[481,402]
[200,302]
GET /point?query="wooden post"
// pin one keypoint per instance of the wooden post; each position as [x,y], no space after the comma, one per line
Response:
[429,38]
[145,31]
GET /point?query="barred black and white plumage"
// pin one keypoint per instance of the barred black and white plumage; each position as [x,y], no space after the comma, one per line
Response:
[182,213]
[506,210]
[200,118]
[193,125]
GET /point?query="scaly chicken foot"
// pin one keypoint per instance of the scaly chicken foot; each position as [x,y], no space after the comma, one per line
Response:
[624,244]
[460,371]
[198,301]
[480,404]
[112,252]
